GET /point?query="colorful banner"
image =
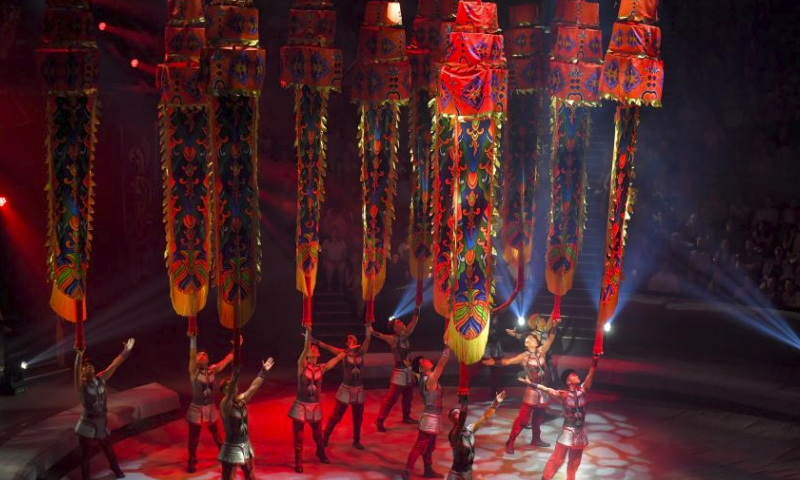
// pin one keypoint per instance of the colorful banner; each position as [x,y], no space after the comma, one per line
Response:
[443,220]
[473,93]
[575,71]
[236,69]
[313,70]
[633,75]
[185,127]
[67,61]
[571,130]
[381,84]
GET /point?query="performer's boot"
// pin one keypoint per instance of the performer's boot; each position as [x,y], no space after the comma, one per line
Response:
[316,429]
[406,475]
[298,459]
[510,447]
[358,418]
[537,418]
[112,458]
[326,436]
[431,473]
[410,421]
[379,425]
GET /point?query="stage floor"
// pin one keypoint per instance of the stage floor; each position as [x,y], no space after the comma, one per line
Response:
[630,439]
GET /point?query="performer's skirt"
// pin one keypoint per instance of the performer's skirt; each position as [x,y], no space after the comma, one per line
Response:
[453,475]
[535,398]
[402,377]
[573,437]
[306,412]
[202,414]
[350,395]
[92,427]
[430,423]
[235,453]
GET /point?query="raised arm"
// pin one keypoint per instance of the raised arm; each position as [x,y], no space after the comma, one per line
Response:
[414,321]
[550,339]
[306,345]
[227,400]
[542,388]
[192,356]
[126,351]
[458,427]
[489,413]
[76,373]
[514,333]
[381,336]
[330,348]
[504,362]
[433,379]
[367,338]
[333,362]
[587,384]
[220,366]
[265,367]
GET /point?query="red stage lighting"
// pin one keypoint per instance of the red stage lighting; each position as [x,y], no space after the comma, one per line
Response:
[3,201]
[134,62]
[101,26]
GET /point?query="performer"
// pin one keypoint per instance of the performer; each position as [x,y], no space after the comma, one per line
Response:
[93,424]
[202,411]
[573,437]
[351,391]
[462,438]
[306,407]
[541,328]
[402,381]
[430,424]
[237,449]
[534,403]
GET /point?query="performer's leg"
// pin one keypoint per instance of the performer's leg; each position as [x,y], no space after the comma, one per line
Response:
[194,440]
[297,435]
[108,449]
[495,380]
[388,402]
[555,461]
[333,420]
[427,458]
[357,409]
[316,432]
[575,455]
[249,469]
[537,418]
[420,448]
[519,422]
[228,471]
[216,432]
[408,392]
[86,455]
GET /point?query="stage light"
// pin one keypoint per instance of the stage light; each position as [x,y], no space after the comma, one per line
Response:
[607,327]
[102,26]
[520,320]
[3,201]
[24,365]
[134,62]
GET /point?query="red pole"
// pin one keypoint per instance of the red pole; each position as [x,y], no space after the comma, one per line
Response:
[420,291]
[80,342]
[556,307]
[307,303]
[463,379]
[192,330]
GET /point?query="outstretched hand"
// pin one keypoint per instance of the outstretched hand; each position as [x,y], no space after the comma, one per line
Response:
[500,397]
[268,364]
[511,331]
[128,345]
[525,380]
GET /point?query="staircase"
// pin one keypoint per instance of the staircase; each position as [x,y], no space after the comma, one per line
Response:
[335,317]
[579,306]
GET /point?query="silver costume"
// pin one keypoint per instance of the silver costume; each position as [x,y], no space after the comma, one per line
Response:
[94,419]
[535,371]
[574,433]
[402,375]
[351,391]
[202,410]
[306,407]
[237,449]
[431,419]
